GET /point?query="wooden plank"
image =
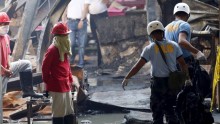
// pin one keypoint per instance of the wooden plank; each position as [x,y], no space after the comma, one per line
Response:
[21,113]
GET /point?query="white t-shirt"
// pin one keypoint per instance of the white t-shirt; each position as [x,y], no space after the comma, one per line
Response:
[75,9]
[96,6]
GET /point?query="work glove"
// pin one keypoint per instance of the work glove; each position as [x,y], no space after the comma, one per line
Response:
[200,56]
[188,83]
[124,83]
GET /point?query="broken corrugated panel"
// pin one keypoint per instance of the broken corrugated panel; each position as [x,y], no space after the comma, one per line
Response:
[20,3]
[42,12]
[54,17]
[24,32]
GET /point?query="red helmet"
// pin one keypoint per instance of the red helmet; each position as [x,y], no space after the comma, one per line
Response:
[60,28]
[4,17]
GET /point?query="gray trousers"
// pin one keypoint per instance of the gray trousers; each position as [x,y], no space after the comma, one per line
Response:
[62,104]
[16,67]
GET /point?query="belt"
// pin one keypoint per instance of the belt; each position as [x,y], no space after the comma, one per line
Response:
[159,78]
[73,19]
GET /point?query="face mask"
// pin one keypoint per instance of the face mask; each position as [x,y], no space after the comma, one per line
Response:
[64,42]
[65,39]
[4,30]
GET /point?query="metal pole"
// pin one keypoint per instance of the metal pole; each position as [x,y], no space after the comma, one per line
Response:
[1,96]
[29,111]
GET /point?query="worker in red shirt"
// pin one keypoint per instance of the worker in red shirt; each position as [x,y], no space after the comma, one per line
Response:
[58,77]
[21,67]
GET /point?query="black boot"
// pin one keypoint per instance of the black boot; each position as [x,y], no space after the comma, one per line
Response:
[26,81]
[70,119]
[57,120]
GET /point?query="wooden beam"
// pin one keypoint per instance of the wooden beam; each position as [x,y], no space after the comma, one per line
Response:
[24,112]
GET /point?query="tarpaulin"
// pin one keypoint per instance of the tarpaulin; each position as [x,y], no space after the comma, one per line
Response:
[216,78]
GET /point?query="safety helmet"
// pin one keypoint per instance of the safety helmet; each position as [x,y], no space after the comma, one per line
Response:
[4,17]
[181,7]
[60,28]
[154,25]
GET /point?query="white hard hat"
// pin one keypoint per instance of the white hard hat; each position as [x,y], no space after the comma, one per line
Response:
[154,25]
[181,7]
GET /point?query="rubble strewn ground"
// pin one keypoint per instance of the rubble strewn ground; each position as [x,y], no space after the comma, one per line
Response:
[105,88]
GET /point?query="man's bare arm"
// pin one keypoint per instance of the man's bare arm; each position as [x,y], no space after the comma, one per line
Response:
[85,11]
[183,65]
[185,44]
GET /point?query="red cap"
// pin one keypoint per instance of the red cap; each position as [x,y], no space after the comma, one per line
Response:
[4,17]
[60,28]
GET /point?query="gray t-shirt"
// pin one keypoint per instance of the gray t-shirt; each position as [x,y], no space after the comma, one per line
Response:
[159,68]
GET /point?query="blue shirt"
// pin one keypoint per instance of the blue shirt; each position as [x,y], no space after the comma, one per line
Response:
[173,29]
[159,68]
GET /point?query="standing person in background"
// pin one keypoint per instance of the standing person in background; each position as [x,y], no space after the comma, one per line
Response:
[153,10]
[21,67]
[161,100]
[77,23]
[58,77]
[180,32]
[97,10]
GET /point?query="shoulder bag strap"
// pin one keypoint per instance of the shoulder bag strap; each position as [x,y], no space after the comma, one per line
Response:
[162,54]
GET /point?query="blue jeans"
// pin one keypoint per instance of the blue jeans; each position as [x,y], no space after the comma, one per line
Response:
[78,38]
